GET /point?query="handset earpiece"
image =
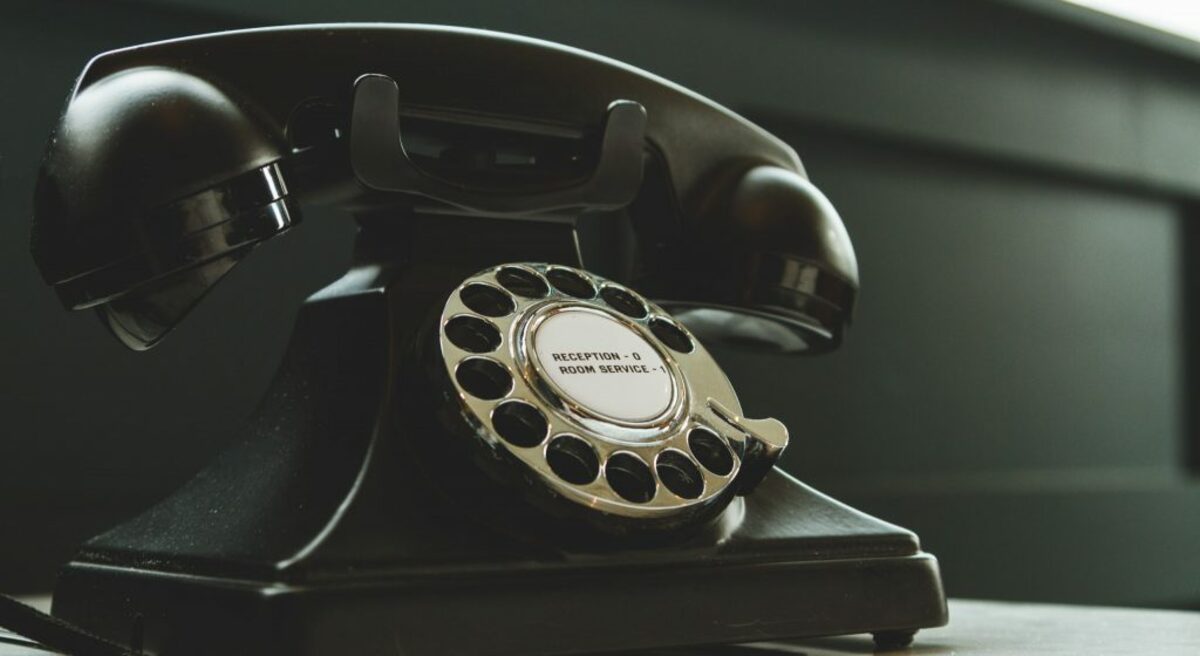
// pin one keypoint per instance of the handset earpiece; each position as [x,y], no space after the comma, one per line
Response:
[779,269]
[155,184]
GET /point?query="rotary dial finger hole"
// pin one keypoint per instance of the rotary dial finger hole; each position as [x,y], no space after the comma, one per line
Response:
[573,460]
[679,474]
[472,334]
[519,423]
[522,282]
[672,335]
[486,300]
[484,379]
[710,450]
[630,477]
[571,283]
[624,302]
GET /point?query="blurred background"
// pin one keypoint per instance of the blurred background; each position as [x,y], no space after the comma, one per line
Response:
[1021,180]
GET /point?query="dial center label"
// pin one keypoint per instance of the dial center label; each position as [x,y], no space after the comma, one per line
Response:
[603,365]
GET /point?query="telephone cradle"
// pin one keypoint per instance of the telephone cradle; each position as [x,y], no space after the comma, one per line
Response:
[421,477]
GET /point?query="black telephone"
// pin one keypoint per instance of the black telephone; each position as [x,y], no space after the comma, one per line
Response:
[484,438]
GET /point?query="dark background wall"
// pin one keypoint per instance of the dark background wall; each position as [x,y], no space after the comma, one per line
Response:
[1018,178]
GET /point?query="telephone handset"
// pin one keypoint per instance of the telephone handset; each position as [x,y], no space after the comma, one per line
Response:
[174,159]
[473,416]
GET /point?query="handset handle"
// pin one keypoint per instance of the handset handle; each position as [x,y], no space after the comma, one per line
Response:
[380,161]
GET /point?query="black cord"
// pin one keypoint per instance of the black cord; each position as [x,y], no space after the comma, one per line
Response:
[54,633]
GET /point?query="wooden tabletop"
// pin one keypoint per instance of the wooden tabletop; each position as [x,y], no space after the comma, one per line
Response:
[987,628]
[984,628]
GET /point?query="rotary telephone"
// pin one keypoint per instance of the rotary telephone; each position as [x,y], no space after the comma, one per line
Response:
[486,437]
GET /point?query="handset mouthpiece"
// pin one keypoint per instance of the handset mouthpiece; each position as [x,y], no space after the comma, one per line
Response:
[156,183]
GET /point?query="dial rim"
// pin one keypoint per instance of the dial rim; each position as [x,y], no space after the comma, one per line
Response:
[696,382]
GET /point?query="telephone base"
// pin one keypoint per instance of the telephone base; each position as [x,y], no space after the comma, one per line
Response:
[572,609]
[324,529]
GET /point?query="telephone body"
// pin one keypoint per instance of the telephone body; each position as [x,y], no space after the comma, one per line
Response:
[484,438]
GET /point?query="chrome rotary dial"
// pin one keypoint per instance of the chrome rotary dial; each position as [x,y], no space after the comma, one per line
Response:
[598,395]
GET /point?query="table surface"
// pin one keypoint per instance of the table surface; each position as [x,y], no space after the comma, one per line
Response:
[987,628]
[983,628]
